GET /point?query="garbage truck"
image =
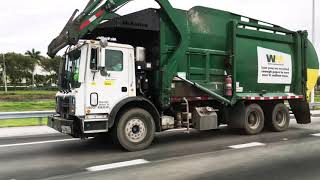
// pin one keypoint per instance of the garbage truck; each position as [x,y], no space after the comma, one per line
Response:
[160,69]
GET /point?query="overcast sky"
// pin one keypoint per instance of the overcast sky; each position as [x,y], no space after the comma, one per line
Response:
[27,24]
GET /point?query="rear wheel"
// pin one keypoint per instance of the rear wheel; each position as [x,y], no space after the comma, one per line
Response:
[280,118]
[135,130]
[254,119]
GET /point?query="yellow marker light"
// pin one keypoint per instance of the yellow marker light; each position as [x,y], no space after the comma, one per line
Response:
[109,83]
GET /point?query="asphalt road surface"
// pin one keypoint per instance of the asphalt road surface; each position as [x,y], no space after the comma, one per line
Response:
[221,154]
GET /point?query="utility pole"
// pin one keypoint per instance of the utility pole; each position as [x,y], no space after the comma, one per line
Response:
[4,73]
[313,35]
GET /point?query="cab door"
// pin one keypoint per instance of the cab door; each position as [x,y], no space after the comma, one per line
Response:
[111,82]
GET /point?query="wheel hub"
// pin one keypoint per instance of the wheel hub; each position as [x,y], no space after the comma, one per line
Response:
[254,120]
[136,130]
[280,118]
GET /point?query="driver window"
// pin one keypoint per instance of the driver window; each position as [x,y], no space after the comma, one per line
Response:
[114,60]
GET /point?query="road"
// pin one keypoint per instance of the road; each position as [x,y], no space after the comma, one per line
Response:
[220,154]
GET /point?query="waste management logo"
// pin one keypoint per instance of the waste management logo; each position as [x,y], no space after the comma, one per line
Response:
[275,59]
[274,67]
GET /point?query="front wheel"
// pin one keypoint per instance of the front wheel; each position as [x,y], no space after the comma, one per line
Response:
[135,129]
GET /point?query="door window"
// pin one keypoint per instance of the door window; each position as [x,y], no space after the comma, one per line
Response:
[114,60]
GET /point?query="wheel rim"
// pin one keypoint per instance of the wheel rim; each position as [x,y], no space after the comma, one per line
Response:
[254,120]
[135,130]
[280,118]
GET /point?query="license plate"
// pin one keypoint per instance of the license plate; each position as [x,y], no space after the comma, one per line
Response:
[66,129]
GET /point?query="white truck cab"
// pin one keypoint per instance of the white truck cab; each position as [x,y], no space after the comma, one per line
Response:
[94,78]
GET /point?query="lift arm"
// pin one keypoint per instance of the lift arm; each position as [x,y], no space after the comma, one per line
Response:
[98,11]
[95,12]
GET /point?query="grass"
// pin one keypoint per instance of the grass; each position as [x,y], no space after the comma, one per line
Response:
[22,122]
[40,105]
[26,101]
[35,92]
[26,95]
[25,106]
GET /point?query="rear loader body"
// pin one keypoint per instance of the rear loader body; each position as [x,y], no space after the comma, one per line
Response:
[169,68]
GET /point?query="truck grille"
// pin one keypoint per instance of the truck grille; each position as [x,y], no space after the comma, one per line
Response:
[63,106]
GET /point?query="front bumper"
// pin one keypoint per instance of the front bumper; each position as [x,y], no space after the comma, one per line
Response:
[78,127]
[62,125]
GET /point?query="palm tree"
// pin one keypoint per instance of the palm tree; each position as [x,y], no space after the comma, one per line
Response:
[34,54]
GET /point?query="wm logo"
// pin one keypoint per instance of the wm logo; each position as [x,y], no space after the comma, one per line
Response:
[275,59]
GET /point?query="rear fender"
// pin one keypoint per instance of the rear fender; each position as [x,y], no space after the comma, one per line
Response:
[235,115]
[301,110]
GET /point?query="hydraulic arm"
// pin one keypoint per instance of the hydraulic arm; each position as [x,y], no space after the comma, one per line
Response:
[95,12]
[98,11]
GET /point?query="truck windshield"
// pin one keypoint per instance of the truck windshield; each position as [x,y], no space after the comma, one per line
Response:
[69,71]
[72,68]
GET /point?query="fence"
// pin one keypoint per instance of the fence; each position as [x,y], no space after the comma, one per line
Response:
[28,114]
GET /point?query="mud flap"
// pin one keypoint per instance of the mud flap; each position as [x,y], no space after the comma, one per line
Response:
[301,110]
[235,115]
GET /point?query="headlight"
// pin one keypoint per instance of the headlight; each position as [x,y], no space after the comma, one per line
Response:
[72,105]
[94,99]
[57,105]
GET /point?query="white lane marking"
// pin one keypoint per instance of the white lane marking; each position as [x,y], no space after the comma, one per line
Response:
[247,145]
[173,130]
[317,135]
[117,165]
[38,142]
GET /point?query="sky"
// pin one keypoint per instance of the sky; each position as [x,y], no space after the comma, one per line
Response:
[27,24]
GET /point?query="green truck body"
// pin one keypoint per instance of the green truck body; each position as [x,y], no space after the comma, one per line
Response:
[202,67]
[219,43]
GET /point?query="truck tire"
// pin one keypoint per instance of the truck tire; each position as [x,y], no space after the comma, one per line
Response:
[254,119]
[135,129]
[279,120]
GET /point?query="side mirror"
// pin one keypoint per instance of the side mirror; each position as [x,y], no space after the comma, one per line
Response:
[102,62]
[94,59]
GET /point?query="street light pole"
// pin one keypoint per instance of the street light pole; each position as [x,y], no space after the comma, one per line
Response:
[4,74]
[313,35]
